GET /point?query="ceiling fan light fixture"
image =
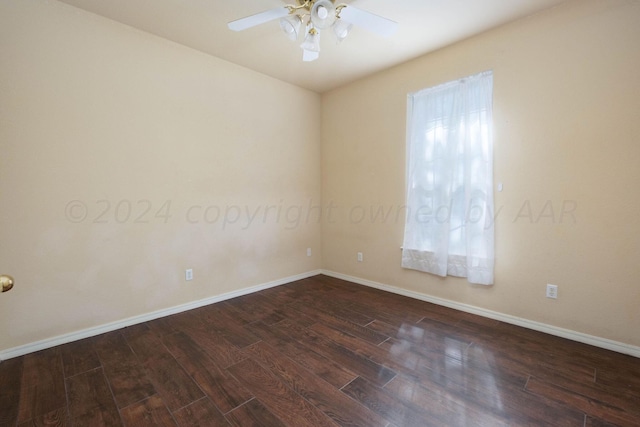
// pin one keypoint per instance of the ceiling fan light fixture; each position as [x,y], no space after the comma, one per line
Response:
[311,41]
[323,14]
[290,25]
[342,29]
[308,56]
[318,15]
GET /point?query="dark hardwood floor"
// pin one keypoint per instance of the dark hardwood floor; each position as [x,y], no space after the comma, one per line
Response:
[321,352]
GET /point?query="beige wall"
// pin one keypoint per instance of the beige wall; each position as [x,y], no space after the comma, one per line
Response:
[567,138]
[109,117]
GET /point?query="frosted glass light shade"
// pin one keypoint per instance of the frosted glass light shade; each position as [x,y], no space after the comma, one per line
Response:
[312,41]
[323,14]
[342,29]
[290,25]
[308,56]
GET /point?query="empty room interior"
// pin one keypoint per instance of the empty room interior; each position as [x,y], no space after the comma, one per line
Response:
[202,226]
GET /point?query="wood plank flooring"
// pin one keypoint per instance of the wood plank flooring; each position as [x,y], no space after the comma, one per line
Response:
[321,352]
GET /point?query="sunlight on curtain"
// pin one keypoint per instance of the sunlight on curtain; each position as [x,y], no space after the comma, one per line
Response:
[449,228]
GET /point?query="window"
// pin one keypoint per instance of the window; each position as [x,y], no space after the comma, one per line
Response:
[449,228]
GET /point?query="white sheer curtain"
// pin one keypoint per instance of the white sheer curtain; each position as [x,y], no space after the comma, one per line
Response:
[450,224]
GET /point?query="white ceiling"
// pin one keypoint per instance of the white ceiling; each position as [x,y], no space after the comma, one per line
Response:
[425,25]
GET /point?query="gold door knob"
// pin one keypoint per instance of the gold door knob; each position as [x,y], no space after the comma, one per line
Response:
[6,282]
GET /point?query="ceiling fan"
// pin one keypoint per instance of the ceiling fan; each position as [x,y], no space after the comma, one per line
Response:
[317,15]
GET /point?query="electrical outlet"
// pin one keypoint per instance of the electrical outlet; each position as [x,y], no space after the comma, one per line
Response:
[188,274]
[552,291]
[308,251]
[360,257]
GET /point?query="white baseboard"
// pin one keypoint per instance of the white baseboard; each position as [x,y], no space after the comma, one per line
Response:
[529,324]
[97,330]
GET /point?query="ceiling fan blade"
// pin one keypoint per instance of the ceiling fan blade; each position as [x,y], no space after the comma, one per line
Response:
[258,18]
[369,21]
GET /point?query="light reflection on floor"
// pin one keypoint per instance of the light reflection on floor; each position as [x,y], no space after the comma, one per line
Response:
[459,370]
